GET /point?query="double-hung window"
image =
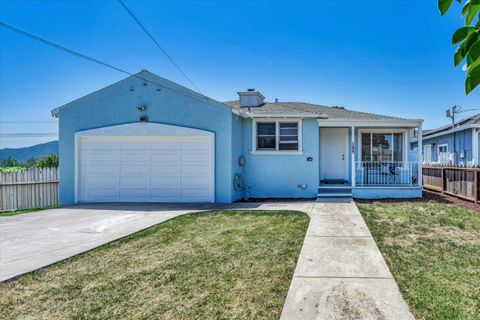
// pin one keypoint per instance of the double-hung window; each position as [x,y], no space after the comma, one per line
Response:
[381,147]
[277,136]
[266,136]
[443,156]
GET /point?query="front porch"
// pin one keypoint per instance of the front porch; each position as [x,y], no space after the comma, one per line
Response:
[369,159]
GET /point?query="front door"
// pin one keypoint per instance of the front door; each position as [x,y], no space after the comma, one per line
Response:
[334,154]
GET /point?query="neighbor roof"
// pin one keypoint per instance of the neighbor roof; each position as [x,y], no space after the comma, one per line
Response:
[302,109]
[467,122]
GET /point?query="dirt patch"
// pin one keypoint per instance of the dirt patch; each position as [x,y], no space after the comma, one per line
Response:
[428,197]
[454,234]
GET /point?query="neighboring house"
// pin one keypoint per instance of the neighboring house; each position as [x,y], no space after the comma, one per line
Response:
[145,138]
[452,144]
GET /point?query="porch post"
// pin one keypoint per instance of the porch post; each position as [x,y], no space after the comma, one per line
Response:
[420,158]
[352,157]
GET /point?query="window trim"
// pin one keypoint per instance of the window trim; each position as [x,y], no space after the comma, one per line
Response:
[438,151]
[385,131]
[277,150]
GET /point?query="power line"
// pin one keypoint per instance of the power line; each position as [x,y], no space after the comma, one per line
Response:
[28,135]
[28,121]
[3,24]
[157,44]
[80,55]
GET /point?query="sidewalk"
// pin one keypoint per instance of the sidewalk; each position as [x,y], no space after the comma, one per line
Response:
[340,273]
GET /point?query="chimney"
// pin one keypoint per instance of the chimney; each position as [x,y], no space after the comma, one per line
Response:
[251,98]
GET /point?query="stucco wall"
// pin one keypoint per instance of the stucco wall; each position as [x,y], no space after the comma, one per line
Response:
[169,104]
[237,152]
[384,193]
[279,175]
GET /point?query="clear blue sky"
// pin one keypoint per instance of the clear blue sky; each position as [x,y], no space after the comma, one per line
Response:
[389,57]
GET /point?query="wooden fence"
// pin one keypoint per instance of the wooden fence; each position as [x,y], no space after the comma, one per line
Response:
[32,188]
[455,181]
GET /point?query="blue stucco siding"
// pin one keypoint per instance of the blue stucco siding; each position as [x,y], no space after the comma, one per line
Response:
[463,144]
[279,175]
[237,152]
[117,104]
[387,192]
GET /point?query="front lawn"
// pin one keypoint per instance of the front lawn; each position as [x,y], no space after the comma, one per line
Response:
[433,251]
[211,265]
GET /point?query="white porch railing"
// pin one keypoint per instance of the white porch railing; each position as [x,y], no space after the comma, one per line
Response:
[386,173]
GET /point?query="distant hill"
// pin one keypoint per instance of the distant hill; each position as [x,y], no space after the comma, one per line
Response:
[36,151]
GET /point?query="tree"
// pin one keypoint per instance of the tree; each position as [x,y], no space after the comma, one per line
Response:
[32,162]
[468,40]
[48,161]
[10,162]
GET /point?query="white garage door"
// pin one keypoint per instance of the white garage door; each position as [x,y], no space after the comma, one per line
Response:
[148,168]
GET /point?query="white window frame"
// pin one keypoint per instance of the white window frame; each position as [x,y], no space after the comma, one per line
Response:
[277,151]
[385,131]
[438,151]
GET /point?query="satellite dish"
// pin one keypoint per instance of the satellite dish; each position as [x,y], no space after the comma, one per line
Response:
[449,115]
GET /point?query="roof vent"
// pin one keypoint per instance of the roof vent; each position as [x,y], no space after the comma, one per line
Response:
[251,98]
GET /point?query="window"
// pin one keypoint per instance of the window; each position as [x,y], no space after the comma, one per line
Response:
[443,156]
[266,136]
[288,136]
[382,147]
[277,135]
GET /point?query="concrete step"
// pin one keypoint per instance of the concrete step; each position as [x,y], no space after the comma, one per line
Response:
[336,191]
[334,195]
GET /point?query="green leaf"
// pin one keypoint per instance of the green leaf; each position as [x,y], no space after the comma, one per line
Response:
[474,53]
[465,8]
[461,34]
[443,6]
[458,56]
[474,2]
[473,79]
[464,47]
[472,12]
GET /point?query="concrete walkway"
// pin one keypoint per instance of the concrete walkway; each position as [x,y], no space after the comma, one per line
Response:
[340,273]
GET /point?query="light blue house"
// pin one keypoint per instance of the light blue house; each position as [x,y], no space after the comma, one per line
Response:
[452,144]
[145,138]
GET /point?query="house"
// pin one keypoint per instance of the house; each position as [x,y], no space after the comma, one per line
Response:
[452,144]
[145,138]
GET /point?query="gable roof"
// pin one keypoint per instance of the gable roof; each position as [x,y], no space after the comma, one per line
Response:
[268,109]
[151,78]
[466,123]
[303,109]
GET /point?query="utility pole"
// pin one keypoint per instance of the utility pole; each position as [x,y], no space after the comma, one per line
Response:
[451,114]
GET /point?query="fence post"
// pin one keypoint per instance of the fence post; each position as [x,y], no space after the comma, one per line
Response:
[442,170]
[475,185]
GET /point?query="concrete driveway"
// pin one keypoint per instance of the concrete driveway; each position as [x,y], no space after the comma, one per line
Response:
[34,240]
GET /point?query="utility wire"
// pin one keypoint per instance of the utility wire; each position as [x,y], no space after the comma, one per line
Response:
[157,44]
[27,135]
[80,55]
[3,24]
[28,121]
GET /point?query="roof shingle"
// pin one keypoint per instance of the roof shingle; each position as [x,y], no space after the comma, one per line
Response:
[303,109]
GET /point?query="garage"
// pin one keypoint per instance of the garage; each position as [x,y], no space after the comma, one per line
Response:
[145,162]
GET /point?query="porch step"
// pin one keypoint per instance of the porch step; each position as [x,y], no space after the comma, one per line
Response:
[334,191]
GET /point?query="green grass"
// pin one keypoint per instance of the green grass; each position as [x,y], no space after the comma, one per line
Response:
[211,265]
[15,212]
[433,251]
